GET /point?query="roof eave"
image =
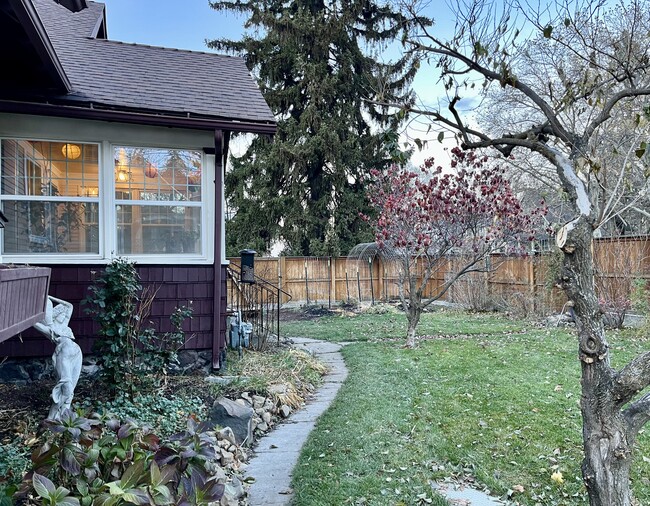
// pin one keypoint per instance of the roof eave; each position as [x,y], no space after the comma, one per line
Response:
[139,117]
[31,22]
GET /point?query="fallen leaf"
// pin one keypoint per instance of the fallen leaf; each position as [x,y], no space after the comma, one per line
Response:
[557,478]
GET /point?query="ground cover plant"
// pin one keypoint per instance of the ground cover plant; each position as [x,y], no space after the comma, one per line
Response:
[497,407]
[166,411]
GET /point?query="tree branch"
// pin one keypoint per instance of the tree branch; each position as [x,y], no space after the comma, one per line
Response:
[605,114]
[633,378]
[506,80]
[637,414]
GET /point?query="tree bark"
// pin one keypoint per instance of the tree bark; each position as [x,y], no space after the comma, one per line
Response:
[413,317]
[608,437]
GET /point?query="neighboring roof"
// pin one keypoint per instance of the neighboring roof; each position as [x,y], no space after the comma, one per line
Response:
[110,76]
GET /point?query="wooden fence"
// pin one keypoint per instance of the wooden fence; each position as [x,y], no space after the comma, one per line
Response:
[330,281]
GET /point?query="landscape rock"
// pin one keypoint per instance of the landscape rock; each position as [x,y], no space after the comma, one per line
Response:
[258,401]
[228,413]
[228,435]
[38,369]
[227,457]
[278,389]
[238,487]
[285,411]
[90,370]
[11,372]
[188,358]
[220,380]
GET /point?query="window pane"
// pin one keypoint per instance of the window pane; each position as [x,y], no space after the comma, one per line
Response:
[54,169]
[168,175]
[158,229]
[50,227]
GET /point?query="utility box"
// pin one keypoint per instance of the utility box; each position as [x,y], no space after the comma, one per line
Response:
[247,265]
[240,332]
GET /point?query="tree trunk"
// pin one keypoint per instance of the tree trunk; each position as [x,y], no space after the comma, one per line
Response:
[608,439]
[413,317]
[608,456]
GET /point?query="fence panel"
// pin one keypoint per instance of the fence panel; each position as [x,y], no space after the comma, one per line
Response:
[330,281]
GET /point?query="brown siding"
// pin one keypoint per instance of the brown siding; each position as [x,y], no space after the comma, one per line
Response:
[177,285]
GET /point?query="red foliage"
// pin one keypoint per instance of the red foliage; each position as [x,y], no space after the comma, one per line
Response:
[471,210]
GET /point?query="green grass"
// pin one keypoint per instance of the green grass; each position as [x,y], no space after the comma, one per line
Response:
[369,327]
[499,405]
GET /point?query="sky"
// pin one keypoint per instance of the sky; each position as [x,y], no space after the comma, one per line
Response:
[181,24]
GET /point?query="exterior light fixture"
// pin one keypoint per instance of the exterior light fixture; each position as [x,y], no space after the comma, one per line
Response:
[71,151]
[122,176]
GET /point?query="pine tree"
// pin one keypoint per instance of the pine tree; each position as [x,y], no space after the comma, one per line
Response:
[314,64]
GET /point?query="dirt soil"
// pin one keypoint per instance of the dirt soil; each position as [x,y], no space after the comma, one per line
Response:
[21,408]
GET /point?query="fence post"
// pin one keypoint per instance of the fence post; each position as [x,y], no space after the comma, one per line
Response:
[282,269]
[306,282]
[532,282]
[372,284]
[332,294]
[381,273]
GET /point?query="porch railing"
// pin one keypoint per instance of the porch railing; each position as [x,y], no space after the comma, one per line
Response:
[258,303]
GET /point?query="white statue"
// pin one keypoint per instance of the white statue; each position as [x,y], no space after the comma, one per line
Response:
[67,357]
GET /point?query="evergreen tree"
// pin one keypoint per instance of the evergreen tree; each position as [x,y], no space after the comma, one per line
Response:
[313,61]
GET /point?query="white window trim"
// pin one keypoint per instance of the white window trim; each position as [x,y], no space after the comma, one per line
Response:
[108,234]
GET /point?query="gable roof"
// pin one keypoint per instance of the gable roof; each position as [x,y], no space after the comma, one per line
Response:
[31,63]
[155,85]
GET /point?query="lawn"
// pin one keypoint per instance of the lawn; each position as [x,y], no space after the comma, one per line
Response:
[351,327]
[483,399]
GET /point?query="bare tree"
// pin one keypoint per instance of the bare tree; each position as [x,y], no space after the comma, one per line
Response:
[593,61]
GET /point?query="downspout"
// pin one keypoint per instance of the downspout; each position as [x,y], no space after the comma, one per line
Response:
[221,142]
[218,231]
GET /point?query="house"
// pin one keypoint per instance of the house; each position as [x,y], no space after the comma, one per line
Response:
[112,150]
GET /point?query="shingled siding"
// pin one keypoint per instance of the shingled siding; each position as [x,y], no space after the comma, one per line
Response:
[177,285]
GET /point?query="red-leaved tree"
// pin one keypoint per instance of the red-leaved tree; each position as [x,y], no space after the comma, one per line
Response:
[426,219]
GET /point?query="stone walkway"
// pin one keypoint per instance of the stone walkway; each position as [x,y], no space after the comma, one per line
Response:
[277,453]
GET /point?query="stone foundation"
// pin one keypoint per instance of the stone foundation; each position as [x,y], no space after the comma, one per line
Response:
[21,371]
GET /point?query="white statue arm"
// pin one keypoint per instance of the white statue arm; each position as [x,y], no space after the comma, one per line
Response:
[59,301]
[44,329]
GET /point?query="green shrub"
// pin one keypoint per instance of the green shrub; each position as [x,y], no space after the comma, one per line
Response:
[105,462]
[131,354]
[14,461]
[165,415]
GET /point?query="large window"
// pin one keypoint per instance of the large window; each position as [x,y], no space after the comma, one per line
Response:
[158,201]
[47,191]
[61,199]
